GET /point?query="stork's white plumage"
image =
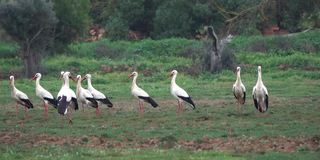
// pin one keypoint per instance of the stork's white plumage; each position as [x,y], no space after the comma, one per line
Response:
[20,97]
[74,103]
[65,96]
[239,90]
[44,95]
[97,95]
[179,93]
[84,95]
[140,94]
[260,94]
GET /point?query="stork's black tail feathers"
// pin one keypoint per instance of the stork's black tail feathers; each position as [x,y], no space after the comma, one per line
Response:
[62,105]
[27,103]
[258,106]
[75,102]
[94,103]
[149,100]
[189,100]
[53,101]
[106,101]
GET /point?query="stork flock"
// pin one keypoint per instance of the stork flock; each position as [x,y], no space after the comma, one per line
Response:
[90,97]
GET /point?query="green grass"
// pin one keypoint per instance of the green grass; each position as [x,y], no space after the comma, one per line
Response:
[293,113]
[67,152]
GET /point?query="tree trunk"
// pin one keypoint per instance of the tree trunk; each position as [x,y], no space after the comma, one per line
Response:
[31,62]
[215,56]
[215,61]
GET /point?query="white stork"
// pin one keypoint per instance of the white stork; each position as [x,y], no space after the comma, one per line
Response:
[140,94]
[179,93]
[260,94]
[44,95]
[65,97]
[84,96]
[20,97]
[239,90]
[97,95]
[74,103]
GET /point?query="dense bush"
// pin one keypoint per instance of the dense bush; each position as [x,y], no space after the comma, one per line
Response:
[154,57]
[8,50]
[173,19]
[73,18]
[308,42]
[147,48]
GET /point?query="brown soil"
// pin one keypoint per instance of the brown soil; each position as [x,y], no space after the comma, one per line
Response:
[232,144]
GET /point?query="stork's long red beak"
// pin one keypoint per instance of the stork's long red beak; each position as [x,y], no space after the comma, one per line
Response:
[72,78]
[130,75]
[84,78]
[170,74]
[33,78]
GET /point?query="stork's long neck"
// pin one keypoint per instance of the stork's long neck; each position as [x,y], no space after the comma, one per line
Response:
[13,87]
[37,82]
[79,84]
[259,79]
[134,82]
[173,80]
[66,82]
[89,83]
[238,81]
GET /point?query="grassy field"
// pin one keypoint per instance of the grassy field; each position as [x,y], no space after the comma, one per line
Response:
[215,130]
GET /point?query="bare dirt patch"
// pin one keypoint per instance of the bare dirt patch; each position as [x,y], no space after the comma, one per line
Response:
[232,144]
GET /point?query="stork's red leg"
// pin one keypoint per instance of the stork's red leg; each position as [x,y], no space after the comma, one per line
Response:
[17,109]
[98,112]
[26,113]
[69,118]
[181,107]
[142,108]
[45,110]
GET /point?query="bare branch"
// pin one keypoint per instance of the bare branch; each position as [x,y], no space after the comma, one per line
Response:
[36,35]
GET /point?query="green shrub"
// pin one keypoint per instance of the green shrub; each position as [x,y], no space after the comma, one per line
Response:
[308,42]
[8,50]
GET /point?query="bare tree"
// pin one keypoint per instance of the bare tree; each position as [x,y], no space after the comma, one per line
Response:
[216,50]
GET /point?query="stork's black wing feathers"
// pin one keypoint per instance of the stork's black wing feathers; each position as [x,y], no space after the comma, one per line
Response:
[267,102]
[62,104]
[75,102]
[189,100]
[52,101]
[94,103]
[149,100]
[106,101]
[255,102]
[27,103]
[244,97]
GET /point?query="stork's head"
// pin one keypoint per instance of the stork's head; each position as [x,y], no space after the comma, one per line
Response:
[173,72]
[87,76]
[11,80]
[61,74]
[68,75]
[78,77]
[37,75]
[259,68]
[238,69]
[133,74]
